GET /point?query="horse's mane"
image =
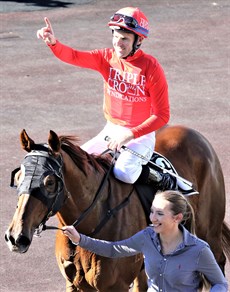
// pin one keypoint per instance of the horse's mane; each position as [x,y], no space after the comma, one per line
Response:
[81,158]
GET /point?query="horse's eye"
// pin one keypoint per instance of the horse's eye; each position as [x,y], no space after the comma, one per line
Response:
[50,183]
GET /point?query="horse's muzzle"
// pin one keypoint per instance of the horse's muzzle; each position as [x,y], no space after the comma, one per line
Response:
[19,244]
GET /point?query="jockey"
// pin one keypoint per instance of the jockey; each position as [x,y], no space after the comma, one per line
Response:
[135,95]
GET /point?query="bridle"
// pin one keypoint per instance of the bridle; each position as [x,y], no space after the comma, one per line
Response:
[45,163]
[38,164]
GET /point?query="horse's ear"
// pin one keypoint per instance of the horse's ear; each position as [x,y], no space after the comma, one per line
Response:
[54,142]
[26,142]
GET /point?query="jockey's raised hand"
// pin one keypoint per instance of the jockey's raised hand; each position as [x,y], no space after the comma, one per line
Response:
[46,33]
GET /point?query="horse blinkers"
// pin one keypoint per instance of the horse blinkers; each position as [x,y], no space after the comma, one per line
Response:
[41,177]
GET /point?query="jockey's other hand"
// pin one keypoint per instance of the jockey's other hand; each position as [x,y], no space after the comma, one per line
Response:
[116,142]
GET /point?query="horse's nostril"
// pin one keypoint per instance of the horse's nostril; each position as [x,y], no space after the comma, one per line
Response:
[6,238]
[22,241]
[9,238]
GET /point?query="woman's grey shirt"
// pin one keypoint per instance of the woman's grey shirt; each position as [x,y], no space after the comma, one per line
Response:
[177,271]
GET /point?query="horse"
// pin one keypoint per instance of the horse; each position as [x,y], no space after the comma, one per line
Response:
[60,178]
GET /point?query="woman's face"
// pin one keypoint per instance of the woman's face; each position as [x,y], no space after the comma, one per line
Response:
[122,43]
[162,217]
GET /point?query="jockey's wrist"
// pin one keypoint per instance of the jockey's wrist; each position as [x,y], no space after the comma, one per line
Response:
[51,44]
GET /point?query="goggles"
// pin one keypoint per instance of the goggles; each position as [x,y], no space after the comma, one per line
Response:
[127,20]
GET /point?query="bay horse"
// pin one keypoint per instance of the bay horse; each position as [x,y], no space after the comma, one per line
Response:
[60,178]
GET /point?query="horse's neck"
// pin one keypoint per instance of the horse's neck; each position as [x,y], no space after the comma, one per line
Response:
[82,189]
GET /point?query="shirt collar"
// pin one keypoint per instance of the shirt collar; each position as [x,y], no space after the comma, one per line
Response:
[188,238]
[137,54]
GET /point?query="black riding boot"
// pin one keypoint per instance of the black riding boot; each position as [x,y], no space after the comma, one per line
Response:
[159,180]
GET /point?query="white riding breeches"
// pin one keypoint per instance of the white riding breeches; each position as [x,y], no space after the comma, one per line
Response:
[128,166]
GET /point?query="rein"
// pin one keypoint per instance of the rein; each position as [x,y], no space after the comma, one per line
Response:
[109,213]
[97,195]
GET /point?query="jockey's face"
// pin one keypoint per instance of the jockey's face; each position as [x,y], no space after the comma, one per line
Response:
[122,43]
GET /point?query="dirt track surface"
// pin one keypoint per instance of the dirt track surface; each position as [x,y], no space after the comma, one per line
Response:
[39,93]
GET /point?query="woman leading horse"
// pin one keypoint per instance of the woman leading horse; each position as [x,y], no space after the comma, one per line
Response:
[60,177]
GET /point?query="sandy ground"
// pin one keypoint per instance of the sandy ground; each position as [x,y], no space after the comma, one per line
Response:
[39,93]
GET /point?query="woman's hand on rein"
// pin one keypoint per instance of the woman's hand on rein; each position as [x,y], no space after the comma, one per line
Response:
[72,233]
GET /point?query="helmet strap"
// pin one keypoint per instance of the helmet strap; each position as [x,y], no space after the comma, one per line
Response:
[136,46]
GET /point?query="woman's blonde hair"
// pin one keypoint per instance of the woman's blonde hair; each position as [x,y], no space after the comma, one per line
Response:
[179,204]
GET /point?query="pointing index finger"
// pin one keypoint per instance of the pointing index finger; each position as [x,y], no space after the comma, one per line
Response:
[48,24]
